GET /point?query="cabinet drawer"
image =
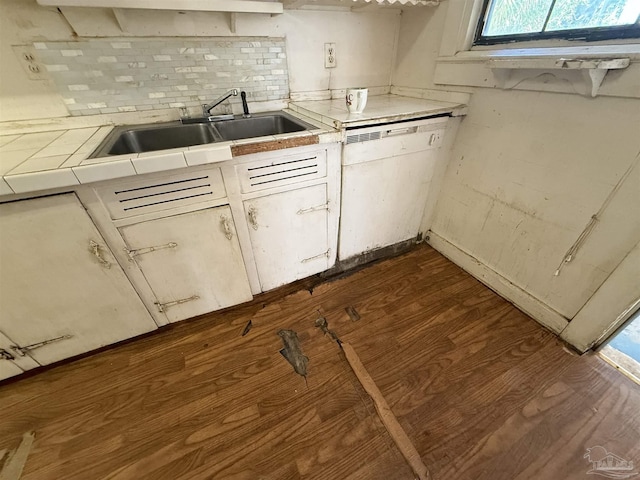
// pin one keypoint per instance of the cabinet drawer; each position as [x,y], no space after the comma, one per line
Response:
[161,192]
[282,170]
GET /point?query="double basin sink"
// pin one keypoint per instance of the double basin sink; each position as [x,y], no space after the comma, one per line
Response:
[161,136]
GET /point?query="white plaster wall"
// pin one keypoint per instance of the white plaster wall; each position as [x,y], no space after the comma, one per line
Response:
[365,44]
[418,45]
[23,22]
[527,172]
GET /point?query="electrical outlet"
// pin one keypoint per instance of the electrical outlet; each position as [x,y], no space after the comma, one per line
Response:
[329,55]
[27,56]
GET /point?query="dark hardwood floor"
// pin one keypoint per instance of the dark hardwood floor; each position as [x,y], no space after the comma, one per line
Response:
[481,389]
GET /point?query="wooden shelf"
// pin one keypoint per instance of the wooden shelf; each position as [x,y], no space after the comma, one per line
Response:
[239,6]
[592,70]
[357,5]
[231,6]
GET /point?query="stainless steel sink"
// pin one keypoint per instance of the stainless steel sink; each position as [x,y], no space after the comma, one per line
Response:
[148,138]
[259,126]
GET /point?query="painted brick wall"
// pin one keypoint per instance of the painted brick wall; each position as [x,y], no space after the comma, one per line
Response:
[128,75]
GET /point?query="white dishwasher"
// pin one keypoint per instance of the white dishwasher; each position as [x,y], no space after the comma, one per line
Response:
[386,173]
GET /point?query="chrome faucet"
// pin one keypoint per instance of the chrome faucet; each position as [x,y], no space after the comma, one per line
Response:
[206,109]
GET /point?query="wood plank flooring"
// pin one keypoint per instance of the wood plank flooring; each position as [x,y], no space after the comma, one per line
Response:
[482,390]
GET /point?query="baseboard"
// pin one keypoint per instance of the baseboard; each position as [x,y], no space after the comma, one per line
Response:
[333,94]
[431,94]
[524,301]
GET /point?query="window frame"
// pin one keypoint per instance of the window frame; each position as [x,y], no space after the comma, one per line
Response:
[594,34]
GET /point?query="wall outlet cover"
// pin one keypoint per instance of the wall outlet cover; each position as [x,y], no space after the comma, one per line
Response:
[329,55]
[27,56]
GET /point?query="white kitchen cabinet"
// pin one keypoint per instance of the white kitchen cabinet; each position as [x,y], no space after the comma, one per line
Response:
[62,293]
[191,261]
[289,234]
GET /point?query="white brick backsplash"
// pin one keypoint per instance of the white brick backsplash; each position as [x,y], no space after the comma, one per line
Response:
[159,73]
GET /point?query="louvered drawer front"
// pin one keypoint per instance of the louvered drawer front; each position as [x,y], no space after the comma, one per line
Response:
[127,199]
[272,173]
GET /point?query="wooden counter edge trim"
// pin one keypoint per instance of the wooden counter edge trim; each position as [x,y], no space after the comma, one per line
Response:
[249,148]
[389,420]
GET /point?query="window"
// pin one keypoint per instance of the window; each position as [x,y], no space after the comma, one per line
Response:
[505,21]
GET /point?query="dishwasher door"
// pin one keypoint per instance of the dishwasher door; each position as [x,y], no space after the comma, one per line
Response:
[386,174]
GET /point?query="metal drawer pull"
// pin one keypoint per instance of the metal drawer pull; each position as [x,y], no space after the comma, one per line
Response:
[22,351]
[325,254]
[253,214]
[163,306]
[95,249]
[142,251]
[226,226]
[314,209]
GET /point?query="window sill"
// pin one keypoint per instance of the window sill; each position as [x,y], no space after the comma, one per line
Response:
[568,69]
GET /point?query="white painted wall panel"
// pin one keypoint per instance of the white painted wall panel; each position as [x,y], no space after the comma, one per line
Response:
[528,170]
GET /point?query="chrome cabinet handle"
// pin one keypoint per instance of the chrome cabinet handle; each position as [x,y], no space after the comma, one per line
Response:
[95,249]
[302,211]
[226,227]
[253,220]
[141,251]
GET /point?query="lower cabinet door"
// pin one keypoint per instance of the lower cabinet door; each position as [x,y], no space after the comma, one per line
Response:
[289,234]
[191,261]
[62,292]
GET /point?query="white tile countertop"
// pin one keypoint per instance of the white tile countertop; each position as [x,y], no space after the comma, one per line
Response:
[57,158]
[45,158]
[379,109]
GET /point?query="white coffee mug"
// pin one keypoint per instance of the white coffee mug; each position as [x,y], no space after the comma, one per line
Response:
[356,99]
